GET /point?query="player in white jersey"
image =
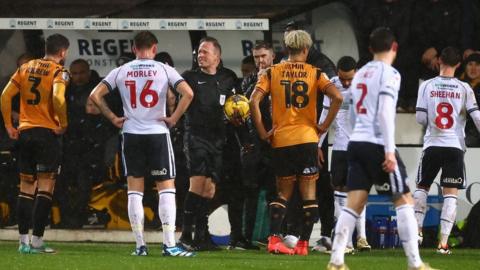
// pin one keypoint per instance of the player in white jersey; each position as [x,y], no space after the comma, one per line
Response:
[346,69]
[146,147]
[442,107]
[372,158]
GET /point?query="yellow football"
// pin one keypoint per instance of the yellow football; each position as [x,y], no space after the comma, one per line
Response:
[237,103]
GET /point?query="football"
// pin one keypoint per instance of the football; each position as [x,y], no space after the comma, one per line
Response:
[290,241]
[237,103]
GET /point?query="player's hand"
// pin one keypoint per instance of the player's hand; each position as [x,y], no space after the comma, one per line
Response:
[118,121]
[267,136]
[322,129]
[321,159]
[390,162]
[237,119]
[60,130]
[12,133]
[170,121]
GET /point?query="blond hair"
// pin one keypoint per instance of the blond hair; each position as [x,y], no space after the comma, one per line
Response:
[297,40]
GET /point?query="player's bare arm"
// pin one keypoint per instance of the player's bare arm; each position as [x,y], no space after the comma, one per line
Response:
[171,100]
[91,108]
[336,100]
[98,97]
[6,105]
[60,107]
[255,99]
[186,98]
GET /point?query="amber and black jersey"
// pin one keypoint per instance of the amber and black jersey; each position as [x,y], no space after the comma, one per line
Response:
[35,81]
[293,87]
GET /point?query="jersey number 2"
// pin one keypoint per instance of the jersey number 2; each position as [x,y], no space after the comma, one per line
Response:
[146,91]
[360,108]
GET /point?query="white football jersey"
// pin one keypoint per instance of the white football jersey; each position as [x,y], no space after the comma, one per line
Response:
[446,101]
[143,86]
[372,80]
[341,123]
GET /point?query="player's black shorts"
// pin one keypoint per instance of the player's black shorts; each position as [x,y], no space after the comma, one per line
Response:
[204,157]
[449,159]
[339,168]
[40,151]
[148,155]
[365,169]
[300,159]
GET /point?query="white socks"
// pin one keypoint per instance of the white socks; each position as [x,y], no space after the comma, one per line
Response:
[24,239]
[340,200]
[343,231]
[408,233]
[447,217]
[136,216]
[37,241]
[167,211]
[360,224]
[420,197]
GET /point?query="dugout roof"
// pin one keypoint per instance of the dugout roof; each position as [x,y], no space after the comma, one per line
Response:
[271,9]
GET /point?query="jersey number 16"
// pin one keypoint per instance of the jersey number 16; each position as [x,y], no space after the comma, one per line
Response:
[146,92]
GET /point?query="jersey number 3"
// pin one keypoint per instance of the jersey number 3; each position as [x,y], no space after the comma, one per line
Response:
[35,82]
[360,109]
[146,92]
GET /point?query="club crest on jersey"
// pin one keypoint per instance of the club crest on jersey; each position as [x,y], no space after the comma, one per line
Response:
[65,76]
[222,100]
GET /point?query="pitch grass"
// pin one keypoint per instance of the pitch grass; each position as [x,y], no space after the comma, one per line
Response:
[117,256]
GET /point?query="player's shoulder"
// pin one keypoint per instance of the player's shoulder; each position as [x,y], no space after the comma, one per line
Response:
[390,71]
[465,85]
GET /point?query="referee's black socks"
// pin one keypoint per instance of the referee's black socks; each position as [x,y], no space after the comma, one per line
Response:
[24,212]
[192,201]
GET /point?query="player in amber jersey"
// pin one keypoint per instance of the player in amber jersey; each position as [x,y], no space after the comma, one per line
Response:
[43,117]
[293,86]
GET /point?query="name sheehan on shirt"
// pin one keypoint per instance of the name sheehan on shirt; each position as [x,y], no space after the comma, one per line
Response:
[445,94]
[141,73]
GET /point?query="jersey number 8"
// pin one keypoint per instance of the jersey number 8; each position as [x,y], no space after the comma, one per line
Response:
[444,111]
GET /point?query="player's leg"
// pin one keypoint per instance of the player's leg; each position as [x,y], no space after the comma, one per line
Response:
[136,213]
[26,196]
[46,151]
[283,160]
[167,213]
[364,159]
[428,169]
[278,209]
[325,197]
[452,179]
[135,162]
[307,187]
[404,207]
[25,202]
[356,200]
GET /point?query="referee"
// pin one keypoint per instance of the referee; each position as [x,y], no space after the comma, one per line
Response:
[204,138]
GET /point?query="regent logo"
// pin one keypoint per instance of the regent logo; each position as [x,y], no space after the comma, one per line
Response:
[310,170]
[451,180]
[159,172]
[384,187]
